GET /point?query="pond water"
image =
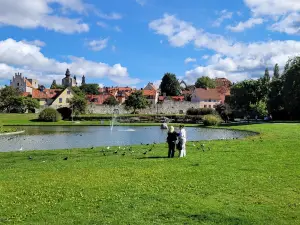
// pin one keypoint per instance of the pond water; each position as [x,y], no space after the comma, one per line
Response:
[64,137]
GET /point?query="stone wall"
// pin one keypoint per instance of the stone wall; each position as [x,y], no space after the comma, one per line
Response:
[168,107]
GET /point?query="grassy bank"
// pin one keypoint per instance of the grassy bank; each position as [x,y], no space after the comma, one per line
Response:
[251,181]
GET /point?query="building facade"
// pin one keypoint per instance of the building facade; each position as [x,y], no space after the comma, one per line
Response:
[68,81]
[23,84]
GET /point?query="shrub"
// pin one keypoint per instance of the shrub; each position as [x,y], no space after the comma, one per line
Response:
[49,115]
[65,112]
[211,120]
[200,111]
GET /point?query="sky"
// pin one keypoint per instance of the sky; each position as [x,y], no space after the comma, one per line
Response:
[133,42]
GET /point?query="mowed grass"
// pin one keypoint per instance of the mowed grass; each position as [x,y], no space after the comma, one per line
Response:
[250,181]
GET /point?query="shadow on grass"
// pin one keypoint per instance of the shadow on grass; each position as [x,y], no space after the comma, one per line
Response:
[218,218]
[154,157]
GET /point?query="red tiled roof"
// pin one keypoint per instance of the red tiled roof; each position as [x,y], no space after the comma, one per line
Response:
[207,94]
[97,99]
[149,92]
[28,84]
[161,98]
[26,94]
[178,98]
[46,94]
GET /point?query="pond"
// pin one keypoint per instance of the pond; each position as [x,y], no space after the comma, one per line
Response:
[64,137]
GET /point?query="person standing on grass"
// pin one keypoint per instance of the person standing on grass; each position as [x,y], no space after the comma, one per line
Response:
[171,139]
[182,140]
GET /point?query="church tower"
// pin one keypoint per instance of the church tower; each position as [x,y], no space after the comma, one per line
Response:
[68,81]
[83,80]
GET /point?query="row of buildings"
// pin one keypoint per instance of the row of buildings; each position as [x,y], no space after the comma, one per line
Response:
[207,98]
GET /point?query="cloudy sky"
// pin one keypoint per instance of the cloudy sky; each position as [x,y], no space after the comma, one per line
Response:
[132,42]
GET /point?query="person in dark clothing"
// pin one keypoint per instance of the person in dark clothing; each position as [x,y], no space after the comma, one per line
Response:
[171,139]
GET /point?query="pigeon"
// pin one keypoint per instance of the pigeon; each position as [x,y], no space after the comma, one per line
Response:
[108,148]
[92,147]
[66,158]
[21,149]
[145,153]
[30,158]
[123,154]
[116,152]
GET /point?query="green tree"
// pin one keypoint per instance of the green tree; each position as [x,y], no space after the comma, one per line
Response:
[242,95]
[224,111]
[10,99]
[259,108]
[78,104]
[276,74]
[91,89]
[54,85]
[78,92]
[291,88]
[275,99]
[111,101]
[170,85]
[31,104]
[205,82]
[136,101]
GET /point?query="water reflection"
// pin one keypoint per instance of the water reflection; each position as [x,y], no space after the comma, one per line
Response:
[64,137]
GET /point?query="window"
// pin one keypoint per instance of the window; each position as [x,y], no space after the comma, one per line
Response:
[205,106]
[60,100]
[18,84]
[209,106]
[209,100]
[68,92]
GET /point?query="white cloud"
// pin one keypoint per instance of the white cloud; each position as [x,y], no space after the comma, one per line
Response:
[102,24]
[273,7]
[189,59]
[289,24]
[224,14]
[33,14]
[141,2]
[118,29]
[110,16]
[231,59]
[113,48]
[35,42]
[97,45]
[21,57]
[241,26]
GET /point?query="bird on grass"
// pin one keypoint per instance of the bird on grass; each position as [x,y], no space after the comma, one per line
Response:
[92,147]
[145,153]
[66,158]
[30,158]
[116,152]
[150,150]
[21,149]
[123,154]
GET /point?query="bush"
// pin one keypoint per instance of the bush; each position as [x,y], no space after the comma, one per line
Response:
[65,112]
[200,112]
[49,115]
[211,120]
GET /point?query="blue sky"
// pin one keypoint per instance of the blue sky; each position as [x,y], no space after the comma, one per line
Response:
[132,42]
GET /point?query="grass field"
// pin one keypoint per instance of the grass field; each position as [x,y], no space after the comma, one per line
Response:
[250,181]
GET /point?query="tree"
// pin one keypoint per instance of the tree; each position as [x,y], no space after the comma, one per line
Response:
[111,101]
[224,111]
[54,85]
[31,104]
[205,82]
[10,98]
[170,85]
[276,74]
[91,89]
[78,92]
[259,108]
[78,104]
[291,87]
[136,101]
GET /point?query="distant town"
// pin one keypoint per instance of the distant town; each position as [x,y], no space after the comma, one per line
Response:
[59,95]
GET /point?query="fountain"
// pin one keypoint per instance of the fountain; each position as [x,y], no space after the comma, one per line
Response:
[114,118]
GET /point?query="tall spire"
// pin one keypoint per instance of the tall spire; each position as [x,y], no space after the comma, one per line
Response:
[83,80]
[68,74]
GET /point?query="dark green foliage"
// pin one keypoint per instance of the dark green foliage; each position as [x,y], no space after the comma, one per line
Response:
[200,112]
[205,82]
[224,111]
[9,99]
[170,85]
[291,88]
[136,101]
[90,89]
[31,104]
[54,85]
[78,104]
[211,120]
[49,115]
[276,74]
[65,112]
[78,91]
[111,101]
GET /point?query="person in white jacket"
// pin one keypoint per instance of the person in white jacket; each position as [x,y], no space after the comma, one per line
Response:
[182,139]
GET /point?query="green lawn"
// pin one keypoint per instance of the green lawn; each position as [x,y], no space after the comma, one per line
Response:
[250,181]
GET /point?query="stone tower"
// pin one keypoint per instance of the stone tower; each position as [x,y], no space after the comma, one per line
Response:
[68,81]
[83,80]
